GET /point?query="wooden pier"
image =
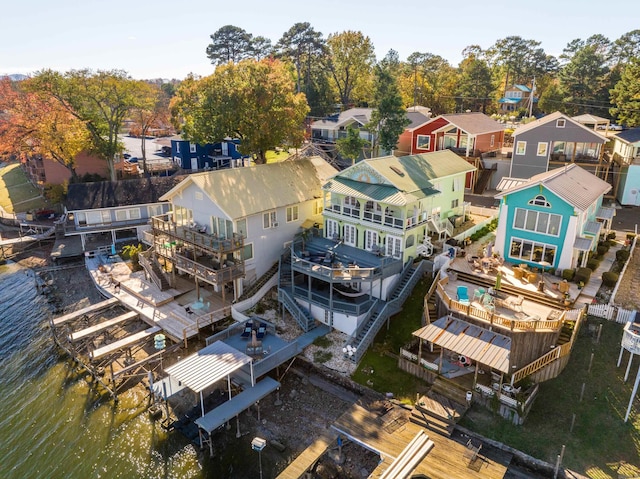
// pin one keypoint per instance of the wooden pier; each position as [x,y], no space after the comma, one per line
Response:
[94,308]
[309,456]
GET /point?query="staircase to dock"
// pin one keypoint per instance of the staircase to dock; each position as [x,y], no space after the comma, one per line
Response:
[381,311]
[255,287]
[285,294]
[437,413]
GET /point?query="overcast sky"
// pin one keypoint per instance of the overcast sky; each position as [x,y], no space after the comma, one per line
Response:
[167,39]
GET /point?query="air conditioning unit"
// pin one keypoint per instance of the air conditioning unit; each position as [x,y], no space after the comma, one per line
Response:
[274,224]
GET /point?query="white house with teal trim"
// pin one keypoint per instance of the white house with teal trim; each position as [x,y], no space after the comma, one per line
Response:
[554,217]
[390,204]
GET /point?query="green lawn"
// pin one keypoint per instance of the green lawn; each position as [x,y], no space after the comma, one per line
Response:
[275,156]
[16,193]
[386,376]
[601,444]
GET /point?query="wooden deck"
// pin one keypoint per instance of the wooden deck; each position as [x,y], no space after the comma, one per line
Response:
[309,456]
[125,342]
[89,309]
[447,459]
[97,328]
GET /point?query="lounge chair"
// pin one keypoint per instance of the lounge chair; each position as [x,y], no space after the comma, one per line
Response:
[478,294]
[246,333]
[262,331]
[487,302]
[462,295]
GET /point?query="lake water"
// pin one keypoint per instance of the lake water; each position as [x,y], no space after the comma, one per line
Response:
[52,425]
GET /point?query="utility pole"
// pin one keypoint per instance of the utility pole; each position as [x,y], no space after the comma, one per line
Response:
[533,90]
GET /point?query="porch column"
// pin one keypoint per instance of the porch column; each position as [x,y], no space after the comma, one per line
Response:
[475,376]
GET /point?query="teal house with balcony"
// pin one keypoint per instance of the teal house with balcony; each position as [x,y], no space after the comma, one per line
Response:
[554,218]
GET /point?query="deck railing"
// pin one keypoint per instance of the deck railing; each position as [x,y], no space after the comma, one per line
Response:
[204,320]
[211,275]
[496,319]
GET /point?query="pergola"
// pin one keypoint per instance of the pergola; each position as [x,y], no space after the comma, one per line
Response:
[208,366]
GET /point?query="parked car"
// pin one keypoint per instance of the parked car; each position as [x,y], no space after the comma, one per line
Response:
[613,127]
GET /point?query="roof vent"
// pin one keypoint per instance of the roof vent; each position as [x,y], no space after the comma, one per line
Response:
[396,170]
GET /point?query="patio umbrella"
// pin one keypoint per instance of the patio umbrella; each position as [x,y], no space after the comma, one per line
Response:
[498,281]
[543,265]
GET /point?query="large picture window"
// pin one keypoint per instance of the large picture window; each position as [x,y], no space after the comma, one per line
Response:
[537,221]
[532,251]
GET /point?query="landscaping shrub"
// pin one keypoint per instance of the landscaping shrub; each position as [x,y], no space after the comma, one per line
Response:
[582,275]
[609,278]
[611,235]
[630,236]
[592,264]
[622,255]
[602,249]
[568,274]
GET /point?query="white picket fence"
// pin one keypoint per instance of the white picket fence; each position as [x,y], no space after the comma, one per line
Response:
[611,313]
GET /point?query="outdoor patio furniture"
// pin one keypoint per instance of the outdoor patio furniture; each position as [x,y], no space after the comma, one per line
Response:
[462,295]
[487,302]
[262,331]
[246,333]
[515,303]
[478,294]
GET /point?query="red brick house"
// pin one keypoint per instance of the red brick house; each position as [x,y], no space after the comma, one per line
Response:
[468,134]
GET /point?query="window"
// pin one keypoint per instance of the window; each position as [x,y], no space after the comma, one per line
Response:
[493,140]
[370,240]
[454,203]
[457,184]
[394,246]
[542,149]
[192,148]
[532,251]
[154,210]
[540,200]
[521,147]
[292,214]
[410,241]
[247,251]
[350,235]
[98,217]
[560,123]
[269,219]
[423,142]
[537,221]
[333,231]
[241,227]
[134,213]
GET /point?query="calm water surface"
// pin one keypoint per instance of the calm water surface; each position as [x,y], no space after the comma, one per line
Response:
[52,425]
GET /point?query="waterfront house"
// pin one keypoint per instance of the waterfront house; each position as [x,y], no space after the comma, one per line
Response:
[626,155]
[554,141]
[358,269]
[554,217]
[114,212]
[42,170]
[229,227]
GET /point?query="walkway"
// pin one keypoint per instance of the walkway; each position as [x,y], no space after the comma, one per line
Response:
[590,290]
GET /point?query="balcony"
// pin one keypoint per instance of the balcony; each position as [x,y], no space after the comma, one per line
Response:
[213,273]
[631,338]
[168,232]
[390,219]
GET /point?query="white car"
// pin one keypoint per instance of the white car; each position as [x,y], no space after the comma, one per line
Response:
[613,127]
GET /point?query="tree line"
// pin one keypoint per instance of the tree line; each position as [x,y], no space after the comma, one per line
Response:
[262,92]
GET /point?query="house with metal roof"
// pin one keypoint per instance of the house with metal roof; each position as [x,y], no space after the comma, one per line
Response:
[376,215]
[516,97]
[555,218]
[626,154]
[211,156]
[554,141]
[468,134]
[228,227]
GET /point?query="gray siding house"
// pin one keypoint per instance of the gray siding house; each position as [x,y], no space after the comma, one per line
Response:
[552,142]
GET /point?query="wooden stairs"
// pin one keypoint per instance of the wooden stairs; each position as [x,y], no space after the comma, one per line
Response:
[566,332]
[437,412]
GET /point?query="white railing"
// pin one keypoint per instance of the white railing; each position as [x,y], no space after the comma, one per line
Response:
[631,339]
[429,365]
[611,313]
[409,355]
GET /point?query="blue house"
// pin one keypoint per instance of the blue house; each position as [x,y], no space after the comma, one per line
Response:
[554,218]
[212,156]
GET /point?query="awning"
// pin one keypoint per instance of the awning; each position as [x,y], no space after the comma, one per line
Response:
[605,213]
[510,101]
[508,183]
[478,344]
[208,366]
[582,244]
[592,228]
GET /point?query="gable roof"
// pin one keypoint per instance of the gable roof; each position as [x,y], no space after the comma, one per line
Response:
[629,136]
[109,194]
[361,115]
[524,88]
[242,192]
[574,184]
[474,123]
[398,180]
[590,119]
[553,117]
[416,118]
